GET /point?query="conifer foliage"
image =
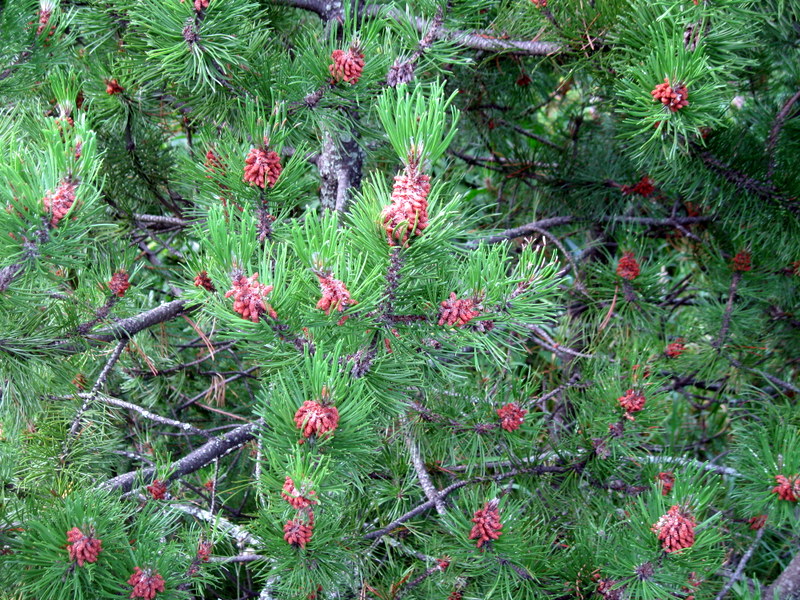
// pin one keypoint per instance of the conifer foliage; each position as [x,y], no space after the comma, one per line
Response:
[306,299]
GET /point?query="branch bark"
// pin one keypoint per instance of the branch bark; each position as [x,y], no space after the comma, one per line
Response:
[150,416]
[205,454]
[127,328]
[466,39]
[726,317]
[743,181]
[775,132]
[419,467]
[340,166]
[787,585]
[740,567]
[536,226]
[425,506]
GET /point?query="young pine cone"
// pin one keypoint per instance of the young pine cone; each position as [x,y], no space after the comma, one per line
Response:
[45,12]
[408,213]
[347,66]
[675,349]
[58,203]
[204,281]
[119,283]
[113,88]
[788,488]
[146,584]
[628,268]
[248,297]
[262,167]
[157,489]
[667,479]
[675,529]
[741,262]
[83,547]
[644,187]
[297,498]
[511,416]
[313,418]
[632,401]
[334,296]
[297,532]
[457,312]
[487,524]
[674,98]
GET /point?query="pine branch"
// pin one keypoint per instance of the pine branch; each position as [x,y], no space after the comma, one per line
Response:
[147,374]
[151,416]
[574,381]
[90,397]
[427,39]
[419,467]
[9,274]
[705,466]
[529,134]
[417,580]
[325,10]
[548,343]
[195,460]
[536,226]
[679,460]
[340,167]
[775,132]
[162,220]
[487,162]
[478,41]
[769,377]
[787,585]
[23,57]
[425,506]
[522,230]
[394,543]
[239,558]
[127,328]
[749,184]
[742,564]
[241,536]
[100,314]
[194,399]
[726,317]
[474,41]
[138,167]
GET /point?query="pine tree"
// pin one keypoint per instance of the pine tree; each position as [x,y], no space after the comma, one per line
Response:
[465,300]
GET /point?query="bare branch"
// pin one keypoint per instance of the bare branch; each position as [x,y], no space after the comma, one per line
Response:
[127,328]
[775,132]
[523,230]
[425,506]
[205,454]
[241,536]
[787,585]
[740,567]
[101,379]
[543,224]
[150,416]
[419,467]
[726,317]
[466,39]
